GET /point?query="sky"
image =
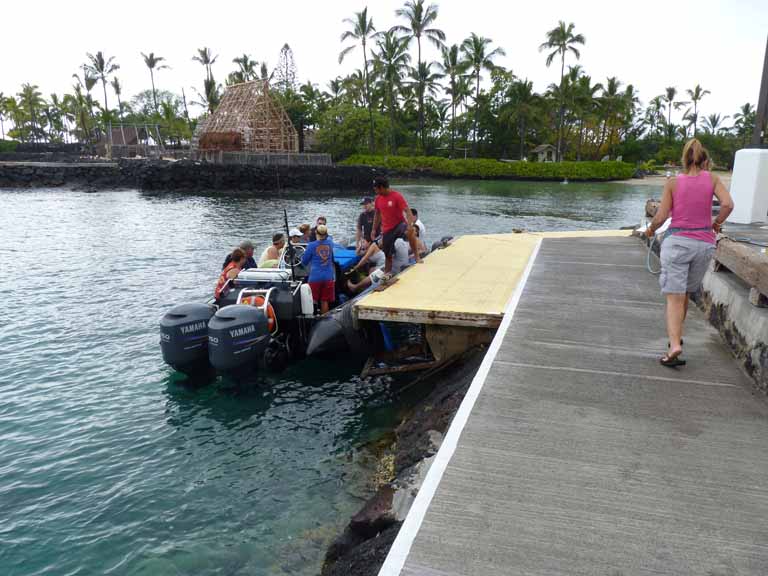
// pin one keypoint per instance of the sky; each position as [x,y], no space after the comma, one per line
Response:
[650,44]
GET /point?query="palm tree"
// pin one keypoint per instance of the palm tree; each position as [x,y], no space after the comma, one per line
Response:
[3,115]
[696,95]
[452,67]
[744,122]
[669,97]
[101,68]
[523,102]
[586,103]
[118,88]
[152,62]
[30,102]
[206,58]
[362,30]
[562,40]
[475,50]
[611,101]
[713,123]
[419,19]
[390,64]
[210,96]
[424,82]
[654,115]
[246,70]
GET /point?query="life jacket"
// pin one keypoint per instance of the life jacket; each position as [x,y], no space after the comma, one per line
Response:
[223,280]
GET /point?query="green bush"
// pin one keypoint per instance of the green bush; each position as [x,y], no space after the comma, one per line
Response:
[493,169]
[8,146]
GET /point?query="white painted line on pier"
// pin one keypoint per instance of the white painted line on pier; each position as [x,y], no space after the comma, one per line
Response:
[401,547]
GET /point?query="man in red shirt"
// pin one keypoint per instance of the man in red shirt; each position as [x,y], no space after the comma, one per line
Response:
[395,218]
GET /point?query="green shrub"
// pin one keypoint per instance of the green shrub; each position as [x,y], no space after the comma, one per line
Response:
[8,146]
[493,169]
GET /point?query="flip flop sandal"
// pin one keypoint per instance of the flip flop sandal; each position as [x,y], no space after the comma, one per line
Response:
[671,362]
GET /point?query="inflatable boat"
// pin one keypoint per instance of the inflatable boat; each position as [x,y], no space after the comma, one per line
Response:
[263,322]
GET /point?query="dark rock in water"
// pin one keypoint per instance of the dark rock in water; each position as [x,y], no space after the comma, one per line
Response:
[363,546]
[376,515]
[367,558]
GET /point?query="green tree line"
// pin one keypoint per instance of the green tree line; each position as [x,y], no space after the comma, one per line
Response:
[398,102]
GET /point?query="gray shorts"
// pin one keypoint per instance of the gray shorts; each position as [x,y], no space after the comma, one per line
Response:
[684,262]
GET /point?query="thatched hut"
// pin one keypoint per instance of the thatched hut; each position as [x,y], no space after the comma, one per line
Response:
[248,119]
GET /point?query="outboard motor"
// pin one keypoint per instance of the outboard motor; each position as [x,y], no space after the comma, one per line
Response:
[184,337]
[238,335]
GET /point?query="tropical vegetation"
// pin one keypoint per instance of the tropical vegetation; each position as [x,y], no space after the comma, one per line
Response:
[399,102]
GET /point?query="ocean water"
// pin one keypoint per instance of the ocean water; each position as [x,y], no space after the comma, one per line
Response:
[111,464]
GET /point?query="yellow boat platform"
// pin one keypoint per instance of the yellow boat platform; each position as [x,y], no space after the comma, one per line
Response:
[469,283]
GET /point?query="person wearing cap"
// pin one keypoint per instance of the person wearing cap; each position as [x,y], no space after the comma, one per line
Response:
[270,258]
[295,236]
[322,272]
[247,247]
[364,229]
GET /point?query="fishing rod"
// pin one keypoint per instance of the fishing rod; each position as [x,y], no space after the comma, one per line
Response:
[291,252]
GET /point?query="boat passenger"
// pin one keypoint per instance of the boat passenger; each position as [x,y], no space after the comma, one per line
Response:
[321,221]
[691,238]
[419,224]
[247,247]
[322,272]
[400,262]
[364,229]
[230,272]
[305,230]
[372,258]
[295,236]
[270,258]
[394,216]
[422,246]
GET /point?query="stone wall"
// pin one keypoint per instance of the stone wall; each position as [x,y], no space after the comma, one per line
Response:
[744,327]
[188,176]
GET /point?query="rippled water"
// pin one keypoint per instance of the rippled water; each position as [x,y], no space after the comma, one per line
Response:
[110,465]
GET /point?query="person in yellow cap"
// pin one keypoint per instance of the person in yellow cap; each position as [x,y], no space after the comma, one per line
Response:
[322,272]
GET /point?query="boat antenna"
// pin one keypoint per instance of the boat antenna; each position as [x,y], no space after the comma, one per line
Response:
[291,252]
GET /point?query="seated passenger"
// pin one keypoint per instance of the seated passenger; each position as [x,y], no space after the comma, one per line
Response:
[419,224]
[247,247]
[400,261]
[372,258]
[422,247]
[305,230]
[295,236]
[321,221]
[270,258]
[230,272]
[322,272]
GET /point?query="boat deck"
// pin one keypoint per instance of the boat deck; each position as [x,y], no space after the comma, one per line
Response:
[575,453]
[466,284]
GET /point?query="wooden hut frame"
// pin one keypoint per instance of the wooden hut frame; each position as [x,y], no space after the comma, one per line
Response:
[249,119]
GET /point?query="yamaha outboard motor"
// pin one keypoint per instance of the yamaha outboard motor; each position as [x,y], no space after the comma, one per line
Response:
[238,335]
[184,337]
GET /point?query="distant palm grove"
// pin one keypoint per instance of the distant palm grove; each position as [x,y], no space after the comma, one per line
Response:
[396,102]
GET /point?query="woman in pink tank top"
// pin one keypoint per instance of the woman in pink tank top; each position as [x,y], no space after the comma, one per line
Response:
[690,238]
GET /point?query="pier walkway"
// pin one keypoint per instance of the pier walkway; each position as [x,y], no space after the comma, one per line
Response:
[575,452]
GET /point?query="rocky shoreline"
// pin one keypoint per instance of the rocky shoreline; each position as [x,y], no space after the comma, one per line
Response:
[186,176]
[363,546]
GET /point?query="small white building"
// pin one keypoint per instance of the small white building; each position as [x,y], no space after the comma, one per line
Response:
[546,153]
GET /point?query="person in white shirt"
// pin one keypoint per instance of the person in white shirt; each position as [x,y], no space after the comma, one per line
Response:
[400,261]
[419,224]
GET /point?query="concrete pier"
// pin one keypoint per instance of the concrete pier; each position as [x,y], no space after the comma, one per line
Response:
[575,452]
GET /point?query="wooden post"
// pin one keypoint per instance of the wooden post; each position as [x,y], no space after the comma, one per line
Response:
[762,106]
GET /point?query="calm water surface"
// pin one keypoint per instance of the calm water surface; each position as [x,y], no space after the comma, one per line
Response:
[109,464]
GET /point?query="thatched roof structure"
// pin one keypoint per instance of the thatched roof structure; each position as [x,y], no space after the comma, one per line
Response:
[249,119]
